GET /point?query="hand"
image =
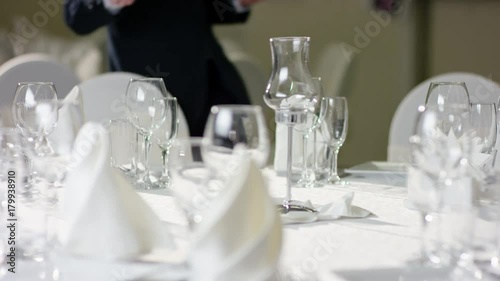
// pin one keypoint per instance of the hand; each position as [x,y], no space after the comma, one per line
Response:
[117,4]
[247,3]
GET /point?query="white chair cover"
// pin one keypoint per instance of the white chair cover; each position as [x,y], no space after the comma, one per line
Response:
[480,89]
[33,68]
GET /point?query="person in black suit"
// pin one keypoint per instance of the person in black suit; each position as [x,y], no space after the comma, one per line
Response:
[173,40]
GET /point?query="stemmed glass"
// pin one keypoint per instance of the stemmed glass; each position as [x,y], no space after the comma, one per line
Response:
[35,113]
[314,117]
[165,136]
[444,94]
[334,129]
[146,111]
[441,147]
[229,126]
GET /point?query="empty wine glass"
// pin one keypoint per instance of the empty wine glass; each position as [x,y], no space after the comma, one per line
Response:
[314,117]
[146,111]
[35,113]
[229,126]
[444,94]
[441,146]
[165,136]
[334,128]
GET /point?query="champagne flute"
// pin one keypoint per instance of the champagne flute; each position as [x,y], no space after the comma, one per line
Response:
[314,117]
[146,111]
[165,136]
[231,126]
[334,129]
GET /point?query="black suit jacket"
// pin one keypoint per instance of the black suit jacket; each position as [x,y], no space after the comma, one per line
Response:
[172,39]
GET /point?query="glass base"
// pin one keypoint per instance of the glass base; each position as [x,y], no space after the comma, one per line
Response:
[163,182]
[295,211]
[336,180]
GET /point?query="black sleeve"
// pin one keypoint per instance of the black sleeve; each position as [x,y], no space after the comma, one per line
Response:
[223,11]
[85,16]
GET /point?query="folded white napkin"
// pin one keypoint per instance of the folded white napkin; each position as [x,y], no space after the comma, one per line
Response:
[70,120]
[342,208]
[104,217]
[240,235]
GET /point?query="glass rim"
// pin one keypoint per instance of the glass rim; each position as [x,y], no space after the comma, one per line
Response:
[35,83]
[448,83]
[165,98]
[243,107]
[336,98]
[290,38]
[145,79]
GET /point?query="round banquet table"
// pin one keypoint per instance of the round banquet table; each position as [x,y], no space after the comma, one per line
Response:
[372,248]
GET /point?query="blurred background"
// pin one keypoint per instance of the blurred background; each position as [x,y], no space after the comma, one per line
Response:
[374,61]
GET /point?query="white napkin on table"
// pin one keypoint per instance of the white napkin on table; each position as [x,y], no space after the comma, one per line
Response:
[104,216]
[342,208]
[240,236]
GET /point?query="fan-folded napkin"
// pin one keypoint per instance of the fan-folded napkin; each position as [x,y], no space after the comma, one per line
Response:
[104,217]
[240,236]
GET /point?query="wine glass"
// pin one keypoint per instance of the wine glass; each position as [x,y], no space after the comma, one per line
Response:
[231,126]
[165,136]
[334,129]
[146,111]
[314,117]
[35,113]
[440,149]
[444,94]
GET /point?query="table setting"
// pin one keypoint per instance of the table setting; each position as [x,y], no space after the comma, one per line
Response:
[85,201]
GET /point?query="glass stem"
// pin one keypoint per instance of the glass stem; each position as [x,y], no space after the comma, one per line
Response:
[135,160]
[423,241]
[333,162]
[147,148]
[288,197]
[305,172]
[164,158]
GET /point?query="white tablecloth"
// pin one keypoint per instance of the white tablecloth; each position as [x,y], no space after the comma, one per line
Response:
[372,248]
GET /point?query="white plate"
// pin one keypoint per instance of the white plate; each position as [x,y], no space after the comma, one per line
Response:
[378,168]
